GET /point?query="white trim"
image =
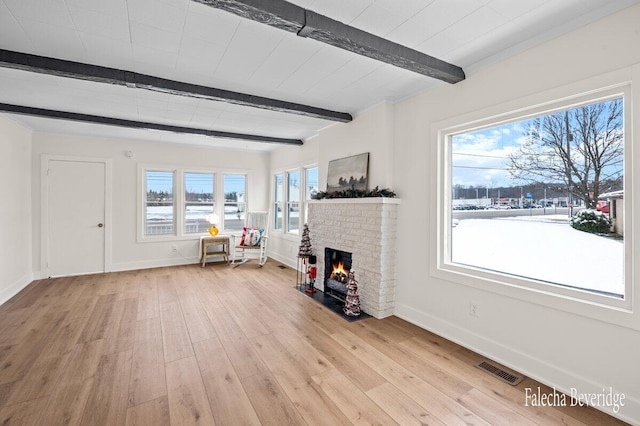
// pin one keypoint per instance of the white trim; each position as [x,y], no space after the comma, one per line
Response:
[246,201]
[588,304]
[141,184]
[155,263]
[538,369]
[285,261]
[287,202]
[44,203]
[14,288]
[274,187]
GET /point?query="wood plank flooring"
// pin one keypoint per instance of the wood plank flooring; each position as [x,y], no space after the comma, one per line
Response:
[235,346]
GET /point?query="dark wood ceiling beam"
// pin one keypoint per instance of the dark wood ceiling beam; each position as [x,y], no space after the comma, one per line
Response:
[96,73]
[110,121]
[307,23]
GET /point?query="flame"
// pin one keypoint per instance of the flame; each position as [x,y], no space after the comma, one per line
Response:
[338,269]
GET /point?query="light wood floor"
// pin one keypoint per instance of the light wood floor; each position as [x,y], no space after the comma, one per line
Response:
[216,345]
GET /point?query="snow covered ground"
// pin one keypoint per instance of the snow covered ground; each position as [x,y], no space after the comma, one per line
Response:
[541,247]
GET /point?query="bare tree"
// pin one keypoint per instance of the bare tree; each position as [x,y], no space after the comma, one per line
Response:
[581,147]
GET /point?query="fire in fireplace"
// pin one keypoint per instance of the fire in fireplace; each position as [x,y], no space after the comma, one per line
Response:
[337,264]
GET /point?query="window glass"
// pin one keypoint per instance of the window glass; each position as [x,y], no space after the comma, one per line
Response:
[279,198]
[311,188]
[520,193]
[234,202]
[159,209]
[198,201]
[293,202]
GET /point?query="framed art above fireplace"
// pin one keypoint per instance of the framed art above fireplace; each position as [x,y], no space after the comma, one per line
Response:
[348,173]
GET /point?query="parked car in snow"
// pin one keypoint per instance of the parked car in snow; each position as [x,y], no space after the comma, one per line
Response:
[602,206]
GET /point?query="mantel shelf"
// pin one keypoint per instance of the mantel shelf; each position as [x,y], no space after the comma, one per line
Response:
[364,200]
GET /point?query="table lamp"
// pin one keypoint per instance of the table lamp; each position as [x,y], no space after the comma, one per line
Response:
[213,219]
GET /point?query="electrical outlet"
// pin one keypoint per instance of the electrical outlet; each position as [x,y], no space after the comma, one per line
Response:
[474,309]
[174,248]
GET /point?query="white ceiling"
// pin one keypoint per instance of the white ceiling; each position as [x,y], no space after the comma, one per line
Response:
[190,42]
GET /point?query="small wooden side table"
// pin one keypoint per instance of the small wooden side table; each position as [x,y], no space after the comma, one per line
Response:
[218,240]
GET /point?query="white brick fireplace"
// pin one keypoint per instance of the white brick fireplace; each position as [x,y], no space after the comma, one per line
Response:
[365,227]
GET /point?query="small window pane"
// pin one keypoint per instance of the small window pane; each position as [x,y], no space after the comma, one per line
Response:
[311,189]
[279,197]
[159,212]
[198,201]
[293,202]
[312,183]
[234,202]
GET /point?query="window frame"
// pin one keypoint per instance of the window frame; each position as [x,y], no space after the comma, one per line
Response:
[289,203]
[179,193]
[222,208]
[143,199]
[278,204]
[578,301]
[307,197]
[303,202]
[185,202]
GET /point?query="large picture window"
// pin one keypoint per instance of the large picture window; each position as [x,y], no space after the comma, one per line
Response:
[538,201]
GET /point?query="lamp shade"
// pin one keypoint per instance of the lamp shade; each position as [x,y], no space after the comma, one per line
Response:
[212,218]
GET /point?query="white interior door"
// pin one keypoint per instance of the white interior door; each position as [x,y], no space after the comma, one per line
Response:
[76,217]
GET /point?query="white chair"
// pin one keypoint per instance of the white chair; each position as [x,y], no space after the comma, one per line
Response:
[249,249]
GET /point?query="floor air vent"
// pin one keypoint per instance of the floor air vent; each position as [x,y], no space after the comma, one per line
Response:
[500,373]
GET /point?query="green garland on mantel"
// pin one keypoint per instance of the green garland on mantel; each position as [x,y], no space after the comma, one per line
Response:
[355,193]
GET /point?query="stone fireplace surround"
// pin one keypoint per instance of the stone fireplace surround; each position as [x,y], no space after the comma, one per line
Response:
[366,227]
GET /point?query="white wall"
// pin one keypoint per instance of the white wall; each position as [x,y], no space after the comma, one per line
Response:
[15,209]
[370,131]
[127,253]
[559,348]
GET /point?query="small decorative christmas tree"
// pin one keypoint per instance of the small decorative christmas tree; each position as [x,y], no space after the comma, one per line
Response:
[305,244]
[352,301]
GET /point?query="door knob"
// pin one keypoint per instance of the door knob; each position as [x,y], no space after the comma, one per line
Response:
[100,225]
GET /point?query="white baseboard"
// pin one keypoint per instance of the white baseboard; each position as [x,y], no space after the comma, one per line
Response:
[284,260]
[535,368]
[15,288]
[155,263]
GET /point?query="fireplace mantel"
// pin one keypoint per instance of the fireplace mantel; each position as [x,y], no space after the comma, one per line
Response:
[365,227]
[363,200]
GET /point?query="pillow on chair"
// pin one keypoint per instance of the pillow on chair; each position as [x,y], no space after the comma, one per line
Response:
[251,237]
